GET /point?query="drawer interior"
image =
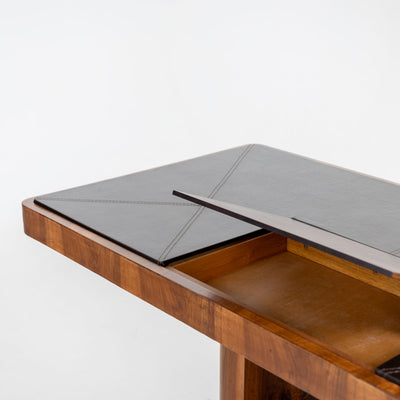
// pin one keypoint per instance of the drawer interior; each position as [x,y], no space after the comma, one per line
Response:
[334,301]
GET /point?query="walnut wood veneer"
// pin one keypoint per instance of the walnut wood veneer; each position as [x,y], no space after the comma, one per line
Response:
[293,322]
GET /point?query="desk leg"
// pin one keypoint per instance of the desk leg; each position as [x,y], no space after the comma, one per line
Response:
[240,379]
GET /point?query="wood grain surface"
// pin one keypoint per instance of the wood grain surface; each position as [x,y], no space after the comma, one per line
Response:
[229,258]
[240,379]
[380,281]
[310,365]
[351,316]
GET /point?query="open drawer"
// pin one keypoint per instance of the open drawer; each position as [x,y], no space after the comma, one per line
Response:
[353,311]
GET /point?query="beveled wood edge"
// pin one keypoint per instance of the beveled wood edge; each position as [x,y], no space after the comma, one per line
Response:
[295,359]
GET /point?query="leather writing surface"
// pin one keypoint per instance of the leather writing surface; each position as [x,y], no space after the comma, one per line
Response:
[140,212]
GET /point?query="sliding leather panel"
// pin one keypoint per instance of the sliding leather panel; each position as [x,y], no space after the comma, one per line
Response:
[309,235]
[139,211]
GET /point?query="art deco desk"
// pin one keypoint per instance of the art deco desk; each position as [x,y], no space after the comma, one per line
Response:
[304,297]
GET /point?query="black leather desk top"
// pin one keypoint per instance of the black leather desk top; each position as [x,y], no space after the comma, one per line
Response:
[140,212]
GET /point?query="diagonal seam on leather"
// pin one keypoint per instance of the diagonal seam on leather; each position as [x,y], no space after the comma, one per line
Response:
[199,211]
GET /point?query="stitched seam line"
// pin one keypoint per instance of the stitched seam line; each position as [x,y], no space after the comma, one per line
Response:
[190,222]
[198,212]
[161,203]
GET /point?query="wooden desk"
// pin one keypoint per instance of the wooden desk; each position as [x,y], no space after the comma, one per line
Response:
[293,322]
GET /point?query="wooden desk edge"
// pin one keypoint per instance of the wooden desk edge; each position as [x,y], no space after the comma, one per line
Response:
[302,363]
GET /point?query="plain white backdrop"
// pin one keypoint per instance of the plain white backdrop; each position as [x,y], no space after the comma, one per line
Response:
[91,90]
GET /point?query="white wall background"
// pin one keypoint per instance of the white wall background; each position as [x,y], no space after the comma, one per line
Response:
[90,90]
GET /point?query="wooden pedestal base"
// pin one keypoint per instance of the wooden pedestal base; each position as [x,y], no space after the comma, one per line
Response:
[242,380]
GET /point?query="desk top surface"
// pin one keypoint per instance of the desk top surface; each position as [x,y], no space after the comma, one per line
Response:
[139,211]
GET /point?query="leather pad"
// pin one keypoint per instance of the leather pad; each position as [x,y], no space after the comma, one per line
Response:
[139,211]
